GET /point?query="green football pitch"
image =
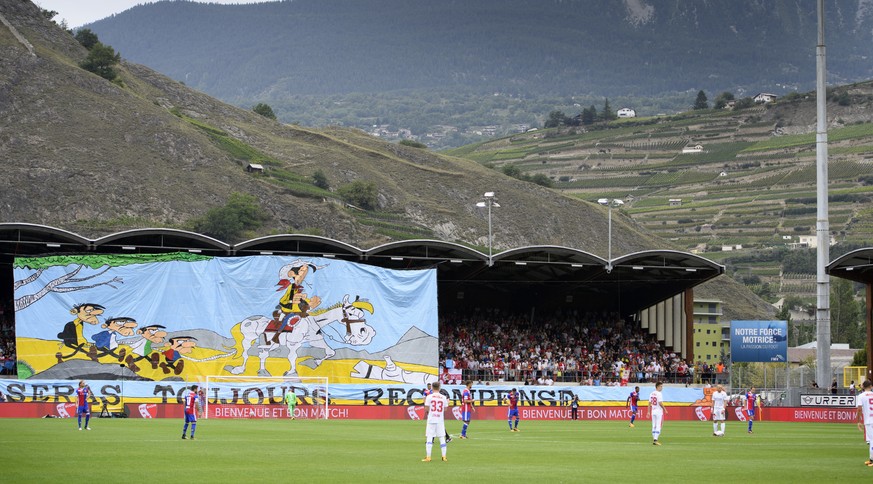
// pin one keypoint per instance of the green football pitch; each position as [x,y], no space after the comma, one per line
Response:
[339,451]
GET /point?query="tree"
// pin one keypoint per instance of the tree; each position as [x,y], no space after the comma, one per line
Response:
[101,60]
[264,110]
[360,194]
[846,324]
[319,179]
[722,100]
[512,170]
[607,113]
[744,103]
[701,101]
[556,118]
[87,38]
[241,212]
[589,115]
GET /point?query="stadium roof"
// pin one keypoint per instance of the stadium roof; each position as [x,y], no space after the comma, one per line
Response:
[855,266]
[552,277]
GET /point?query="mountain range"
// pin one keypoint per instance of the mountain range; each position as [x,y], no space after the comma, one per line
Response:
[417,63]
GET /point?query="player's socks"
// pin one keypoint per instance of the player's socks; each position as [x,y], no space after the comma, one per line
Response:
[464,430]
[185,429]
[193,428]
[428,447]
[722,427]
[750,426]
[510,424]
[443,447]
[714,428]
[87,419]
[633,417]
[80,422]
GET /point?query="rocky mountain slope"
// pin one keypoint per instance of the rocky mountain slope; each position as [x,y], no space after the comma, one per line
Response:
[92,156]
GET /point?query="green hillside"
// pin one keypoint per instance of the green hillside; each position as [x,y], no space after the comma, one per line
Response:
[750,190]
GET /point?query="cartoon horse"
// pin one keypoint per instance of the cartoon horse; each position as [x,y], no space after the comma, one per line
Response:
[310,329]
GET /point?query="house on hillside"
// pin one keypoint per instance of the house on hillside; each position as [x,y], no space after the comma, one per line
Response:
[675,202]
[764,97]
[626,113]
[693,149]
[255,168]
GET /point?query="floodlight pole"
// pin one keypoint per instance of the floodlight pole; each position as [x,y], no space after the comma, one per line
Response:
[489,202]
[823,305]
[609,203]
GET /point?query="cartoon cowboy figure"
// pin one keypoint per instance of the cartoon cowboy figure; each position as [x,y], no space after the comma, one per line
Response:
[294,303]
[72,335]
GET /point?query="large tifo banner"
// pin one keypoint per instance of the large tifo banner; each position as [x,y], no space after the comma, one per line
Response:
[759,341]
[183,316]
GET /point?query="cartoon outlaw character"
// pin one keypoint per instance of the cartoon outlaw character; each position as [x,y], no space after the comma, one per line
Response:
[107,341]
[72,335]
[289,311]
[178,346]
[144,346]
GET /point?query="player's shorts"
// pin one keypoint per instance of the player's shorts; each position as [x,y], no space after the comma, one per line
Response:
[465,416]
[750,412]
[83,410]
[512,413]
[435,429]
[190,417]
[633,409]
[718,413]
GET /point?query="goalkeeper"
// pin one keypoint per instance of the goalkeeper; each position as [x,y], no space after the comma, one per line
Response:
[291,401]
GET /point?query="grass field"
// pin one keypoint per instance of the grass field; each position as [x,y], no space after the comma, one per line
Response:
[135,450]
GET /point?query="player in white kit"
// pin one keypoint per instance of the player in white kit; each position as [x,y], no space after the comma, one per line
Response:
[435,405]
[657,409]
[865,416]
[719,402]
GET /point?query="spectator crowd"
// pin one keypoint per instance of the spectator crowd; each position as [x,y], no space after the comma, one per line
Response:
[580,348]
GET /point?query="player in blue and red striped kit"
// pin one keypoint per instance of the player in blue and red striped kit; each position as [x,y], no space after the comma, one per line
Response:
[633,402]
[512,398]
[751,402]
[192,409]
[83,406]
[467,408]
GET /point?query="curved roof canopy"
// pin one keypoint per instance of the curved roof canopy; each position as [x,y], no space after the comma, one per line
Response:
[535,276]
[160,240]
[855,266]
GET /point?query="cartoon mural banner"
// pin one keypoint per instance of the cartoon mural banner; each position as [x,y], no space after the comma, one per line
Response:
[114,392]
[184,316]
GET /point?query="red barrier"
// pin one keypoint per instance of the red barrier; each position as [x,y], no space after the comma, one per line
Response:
[416,412]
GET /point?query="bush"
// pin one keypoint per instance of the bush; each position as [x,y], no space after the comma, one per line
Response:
[413,144]
[264,110]
[87,38]
[360,194]
[101,60]
[241,212]
[319,179]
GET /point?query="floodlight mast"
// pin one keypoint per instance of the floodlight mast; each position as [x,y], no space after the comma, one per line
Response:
[609,204]
[489,202]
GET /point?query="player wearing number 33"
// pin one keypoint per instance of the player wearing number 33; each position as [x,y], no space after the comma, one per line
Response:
[435,405]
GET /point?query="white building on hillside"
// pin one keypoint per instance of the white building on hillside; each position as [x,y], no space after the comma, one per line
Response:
[765,97]
[626,113]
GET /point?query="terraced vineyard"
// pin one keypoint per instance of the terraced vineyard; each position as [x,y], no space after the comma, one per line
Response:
[751,188]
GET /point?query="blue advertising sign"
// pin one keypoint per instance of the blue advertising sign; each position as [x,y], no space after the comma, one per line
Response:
[759,341]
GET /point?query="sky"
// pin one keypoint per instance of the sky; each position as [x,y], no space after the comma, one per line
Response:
[81,12]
